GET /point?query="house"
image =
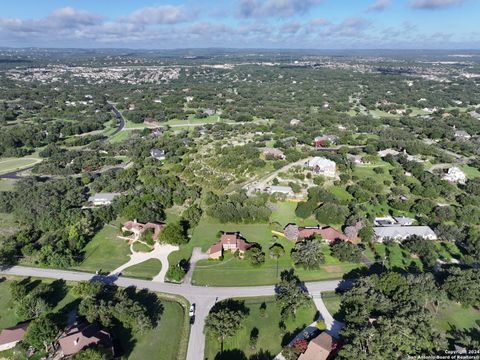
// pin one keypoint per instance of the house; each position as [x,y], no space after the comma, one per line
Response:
[319,348]
[273,152]
[462,135]
[11,336]
[149,121]
[400,233]
[158,154]
[384,221]
[322,166]
[404,221]
[356,159]
[137,229]
[287,190]
[100,199]
[229,242]
[455,175]
[82,335]
[294,122]
[294,232]
[322,141]
[386,152]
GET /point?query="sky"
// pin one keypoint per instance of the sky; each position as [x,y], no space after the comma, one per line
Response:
[309,24]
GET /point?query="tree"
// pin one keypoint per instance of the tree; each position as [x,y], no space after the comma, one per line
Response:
[226,318]
[308,253]
[173,233]
[366,233]
[463,286]
[300,346]
[345,251]
[91,354]
[289,295]
[330,213]
[256,255]
[42,332]
[276,252]
[147,237]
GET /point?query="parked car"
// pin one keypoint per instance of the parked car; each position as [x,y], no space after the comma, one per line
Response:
[191,313]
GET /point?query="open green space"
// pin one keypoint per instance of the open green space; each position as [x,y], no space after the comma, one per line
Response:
[470,171]
[284,213]
[145,270]
[12,164]
[7,223]
[454,315]
[332,301]
[105,251]
[7,184]
[270,337]
[120,136]
[141,247]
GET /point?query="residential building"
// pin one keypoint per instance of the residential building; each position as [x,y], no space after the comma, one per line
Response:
[356,159]
[100,199]
[82,335]
[322,166]
[294,232]
[137,229]
[158,154]
[294,122]
[384,221]
[287,190]
[11,336]
[322,141]
[400,233]
[386,152]
[319,348]
[273,152]
[229,242]
[404,221]
[455,175]
[462,135]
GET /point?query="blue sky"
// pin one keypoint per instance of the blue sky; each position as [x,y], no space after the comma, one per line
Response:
[317,24]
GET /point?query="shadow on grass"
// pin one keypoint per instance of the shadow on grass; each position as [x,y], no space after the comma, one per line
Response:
[289,336]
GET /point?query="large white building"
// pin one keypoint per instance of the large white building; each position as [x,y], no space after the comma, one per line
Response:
[455,175]
[400,233]
[322,166]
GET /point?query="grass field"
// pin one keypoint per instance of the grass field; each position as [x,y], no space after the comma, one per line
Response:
[332,301]
[7,184]
[145,270]
[12,164]
[470,171]
[453,314]
[105,251]
[284,213]
[119,137]
[141,247]
[270,338]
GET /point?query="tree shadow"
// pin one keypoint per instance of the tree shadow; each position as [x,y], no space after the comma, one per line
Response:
[57,292]
[234,354]
[124,342]
[150,301]
[289,336]
[262,355]
[64,312]
[231,304]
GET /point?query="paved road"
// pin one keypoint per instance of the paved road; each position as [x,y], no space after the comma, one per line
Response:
[203,297]
[120,118]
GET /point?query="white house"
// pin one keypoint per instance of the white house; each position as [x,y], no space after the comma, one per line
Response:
[400,233]
[322,166]
[462,135]
[455,175]
[287,190]
[158,154]
[386,152]
[102,198]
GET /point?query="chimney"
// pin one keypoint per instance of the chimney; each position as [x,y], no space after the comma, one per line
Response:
[75,342]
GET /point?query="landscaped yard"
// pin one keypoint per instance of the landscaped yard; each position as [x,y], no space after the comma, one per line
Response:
[470,171]
[7,224]
[145,270]
[7,184]
[105,251]
[453,314]
[270,337]
[332,301]
[12,164]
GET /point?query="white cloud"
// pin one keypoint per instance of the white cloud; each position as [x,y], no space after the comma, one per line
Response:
[380,5]
[163,14]
[434,4]
[274,8]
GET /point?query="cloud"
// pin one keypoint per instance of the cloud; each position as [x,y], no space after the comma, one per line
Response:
[380,5]
[69,15]
[434,4]
[350,27]
[274,8]
[319,22]
[163,14]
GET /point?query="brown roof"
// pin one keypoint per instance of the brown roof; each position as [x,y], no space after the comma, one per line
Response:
[319,348]
[13,334]
[230,239]
[83,335]
[139,227]
[328,233]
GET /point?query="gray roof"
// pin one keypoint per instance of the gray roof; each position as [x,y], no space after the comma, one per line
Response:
[403,231]
[157,153]
[103,197]
[402,220]
[281,189]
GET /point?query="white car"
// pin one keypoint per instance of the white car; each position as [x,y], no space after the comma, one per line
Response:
[192,310]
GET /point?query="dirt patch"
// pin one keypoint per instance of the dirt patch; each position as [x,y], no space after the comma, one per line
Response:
[333,268]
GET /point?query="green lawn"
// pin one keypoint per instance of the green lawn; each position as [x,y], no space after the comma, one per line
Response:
[270,336]
[145,270]
[395,256]
[470,171]
[340,193]
[105,251]
[141,247]
[7,184]
[453,314]
[12,164]
[120,136]
[284,213]
[7,224]
[332,301]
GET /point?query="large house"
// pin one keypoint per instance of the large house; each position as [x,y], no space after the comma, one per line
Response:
[137,229]
[158,154]
[322,141]
[229,242]
[383,153]
[273,152]
[322,166]
[455,175]
[294,232]
[82,335]
[102,198]
[320,348]
[400,233]
[11,336]
[287,190]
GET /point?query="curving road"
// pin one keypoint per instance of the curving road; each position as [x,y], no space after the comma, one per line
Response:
[203,297]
